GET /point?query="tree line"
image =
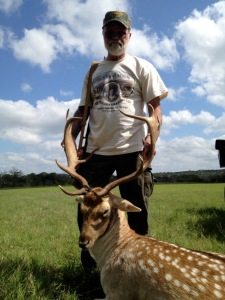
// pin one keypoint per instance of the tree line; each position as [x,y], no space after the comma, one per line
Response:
[201,176]
[15,178]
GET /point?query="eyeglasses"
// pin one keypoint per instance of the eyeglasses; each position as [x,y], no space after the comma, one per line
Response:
[109,34]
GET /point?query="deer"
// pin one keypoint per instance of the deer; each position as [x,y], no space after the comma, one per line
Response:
[132,266]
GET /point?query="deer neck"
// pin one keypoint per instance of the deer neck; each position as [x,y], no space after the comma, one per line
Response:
[115,237]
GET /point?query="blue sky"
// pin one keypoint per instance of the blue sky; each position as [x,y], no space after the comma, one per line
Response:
[47,46]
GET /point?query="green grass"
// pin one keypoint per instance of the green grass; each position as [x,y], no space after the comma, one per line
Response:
[190,215]
[39,254]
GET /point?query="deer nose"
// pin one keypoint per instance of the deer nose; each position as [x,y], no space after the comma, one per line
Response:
[83,242]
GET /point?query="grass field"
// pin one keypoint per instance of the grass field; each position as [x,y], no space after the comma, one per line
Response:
[39,254]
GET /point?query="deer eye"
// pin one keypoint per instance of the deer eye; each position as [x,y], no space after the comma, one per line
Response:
[100,218]
[105,214]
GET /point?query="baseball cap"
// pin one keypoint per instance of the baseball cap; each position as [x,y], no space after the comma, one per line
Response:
[118,16]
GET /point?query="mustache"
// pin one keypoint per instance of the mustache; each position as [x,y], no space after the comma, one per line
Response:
[111,43]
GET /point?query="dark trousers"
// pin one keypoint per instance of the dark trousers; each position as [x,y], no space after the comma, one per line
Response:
[98,171]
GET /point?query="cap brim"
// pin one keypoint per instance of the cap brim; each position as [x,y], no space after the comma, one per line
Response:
[116,20]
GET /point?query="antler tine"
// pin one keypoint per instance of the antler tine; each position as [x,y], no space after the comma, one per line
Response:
[105,190]
[82,191]
[71,154]
[144,162]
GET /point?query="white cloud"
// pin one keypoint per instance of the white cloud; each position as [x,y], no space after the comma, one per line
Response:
[149,45]
[81,16]
[186,153]
[26,87]
[199,91]
[35,131]
[30,162]
[68,29]
[66,93]
[1,37]
[21,135]
[23,123]
[217,125]
[202,36]
[10,6]
[5,36]
[37,47]
[176,119]
[176,94]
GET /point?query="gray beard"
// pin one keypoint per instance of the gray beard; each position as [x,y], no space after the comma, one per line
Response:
[116,49]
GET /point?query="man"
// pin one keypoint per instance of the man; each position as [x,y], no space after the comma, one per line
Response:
[127,83]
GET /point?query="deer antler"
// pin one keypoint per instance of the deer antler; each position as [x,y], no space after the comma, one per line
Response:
[143,162]
[72,158]
[152,129]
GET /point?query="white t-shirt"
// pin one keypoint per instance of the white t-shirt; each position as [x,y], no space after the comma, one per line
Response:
[125,85]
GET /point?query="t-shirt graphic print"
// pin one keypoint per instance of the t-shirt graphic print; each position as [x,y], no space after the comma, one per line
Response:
[110,89]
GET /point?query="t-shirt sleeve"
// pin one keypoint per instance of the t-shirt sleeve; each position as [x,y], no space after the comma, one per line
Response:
[152,84]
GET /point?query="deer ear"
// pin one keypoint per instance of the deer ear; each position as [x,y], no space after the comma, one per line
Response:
[128,206]
[124,205]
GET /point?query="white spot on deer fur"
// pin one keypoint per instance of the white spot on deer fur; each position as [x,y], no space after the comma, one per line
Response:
[186,288]
[217,286]
[190,257]
[187,267]
[205,274]
[194,271]
[151,262]
[161,256]
[204,280]
[175,262]
[218,294]
[177,283]
[216,277]
[223,277]
[194,293]
[155,251]
[168,258]
[201,288]
[183,270]
[155,270]
[143,266]
[193,280]
[213,266]
[200,263]
[168,277]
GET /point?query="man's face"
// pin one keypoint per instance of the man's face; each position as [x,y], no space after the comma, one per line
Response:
[116,38]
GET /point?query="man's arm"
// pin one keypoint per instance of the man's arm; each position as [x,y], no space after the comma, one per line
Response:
[157,113]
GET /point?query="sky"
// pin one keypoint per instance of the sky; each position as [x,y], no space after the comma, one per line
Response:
[47,46]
